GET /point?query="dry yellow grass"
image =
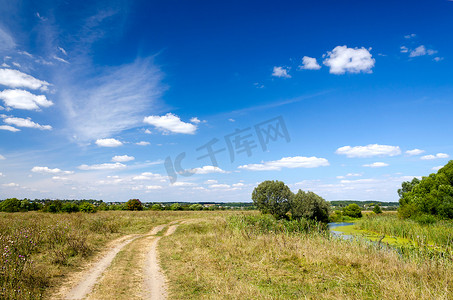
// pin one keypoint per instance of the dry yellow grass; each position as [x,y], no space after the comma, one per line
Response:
[209,260]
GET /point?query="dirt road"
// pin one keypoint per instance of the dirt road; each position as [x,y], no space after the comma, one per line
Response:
[154,286]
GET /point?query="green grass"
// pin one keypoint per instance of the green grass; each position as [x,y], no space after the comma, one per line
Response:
[218,259]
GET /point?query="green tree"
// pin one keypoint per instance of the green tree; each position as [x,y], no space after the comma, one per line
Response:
[87,207]
[311,206]
[433,195]
[196,207]
[272,197]
[377,209]
[156,207]
[69,207]
[134,204]
[10,205]
[175,206]
[353,211]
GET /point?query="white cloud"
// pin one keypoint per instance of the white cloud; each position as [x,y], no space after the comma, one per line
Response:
[404,49]
[207,170]
[16,64]
[50,171]
[239,184]
[148,176]
[4,65]
[354,174]
[21,99]
[309,63]
[421,50]
[437,168]
[409,36]
[106,166]
[142,143]
[16,79]
[41,17]
[122,158]
[113,101]
[288,162]
[2,157]
[195,120]
[414,152]
[1,174]
[281,72]
[171,123]
[9,128]
[25,53]
[369,150]
[108,143]
[60,59]
[59,178]
[376,165]
[63,51]
[220,186]
[28,123]
[438,58]
[153,187]
[211,181]
[352,60]
[12,184]
[183,183]
[438,155]
[232,120]
[6,41]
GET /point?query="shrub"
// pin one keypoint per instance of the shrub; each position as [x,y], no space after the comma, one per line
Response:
[310,206]
[377,209]
[134,204]
[156,207]
[175,206]
[353,211]
[196,207]
[70,207]
[10,205]
[87,207]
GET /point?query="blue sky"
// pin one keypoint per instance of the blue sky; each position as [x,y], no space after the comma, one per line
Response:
[111,99]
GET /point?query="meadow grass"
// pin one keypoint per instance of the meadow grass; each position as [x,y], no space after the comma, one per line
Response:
[39,249]
[424,240]
[215,258]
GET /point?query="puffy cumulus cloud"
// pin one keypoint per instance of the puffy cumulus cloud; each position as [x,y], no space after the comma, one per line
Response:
[142,143]
[21,99]
[171,123]
[108,143]
[376,165]
[288,162]
[438,155]
[281,72]
[28,123]
[16,79]
[122,158]
[195,120]
[369,150]
[414,152]
[421,51]
[106,166]
[309,63]
[352,60]
[207,170]
[47,170]
[9,128]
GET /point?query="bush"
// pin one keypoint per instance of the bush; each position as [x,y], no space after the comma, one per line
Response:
[70,207]
[310,206]
[10,205]
[156,207]
[134,204]
[196,207]
[87,207]
[272,197]
[353,211]
[175,206]
[377,209]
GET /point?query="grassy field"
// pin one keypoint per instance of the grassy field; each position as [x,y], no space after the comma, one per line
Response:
[39,249]
[216,255]
[217,259]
